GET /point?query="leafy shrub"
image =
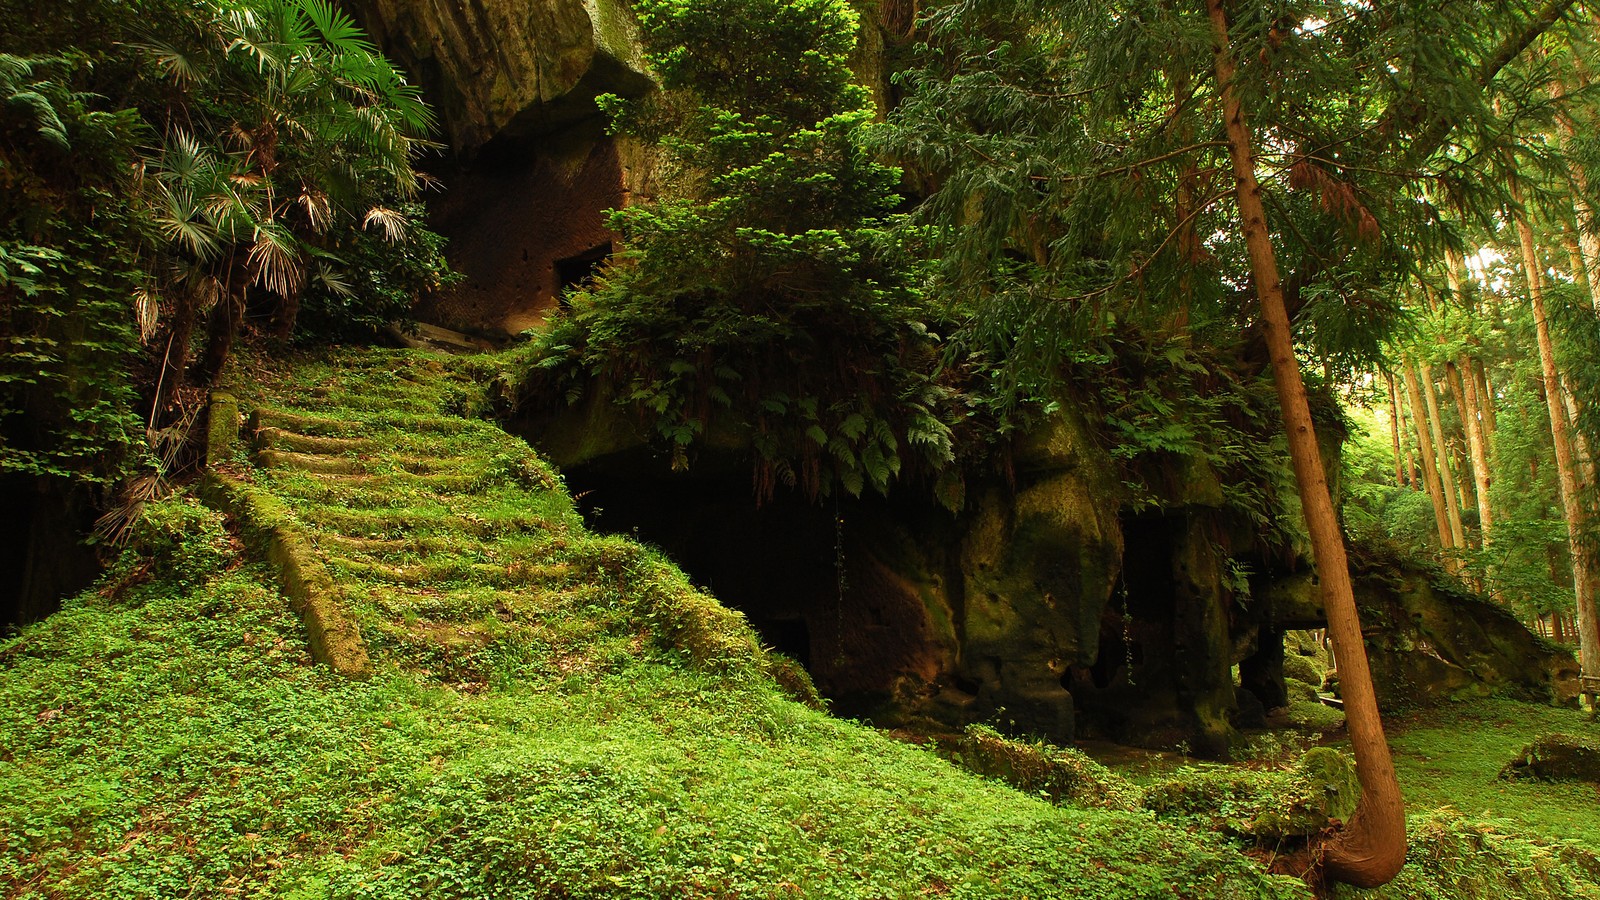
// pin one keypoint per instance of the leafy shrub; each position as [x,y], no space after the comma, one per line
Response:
[765,298]
[182,540]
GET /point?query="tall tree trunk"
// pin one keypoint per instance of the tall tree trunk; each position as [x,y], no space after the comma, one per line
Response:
[1464,384]
[1394,431]
[1465,464]
[1583,578]
[1447,478]
[1371,848]
[1485,402]
[1430,474]
[1587,271]
[1478,446]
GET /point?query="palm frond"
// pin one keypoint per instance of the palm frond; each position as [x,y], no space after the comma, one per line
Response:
[393,223]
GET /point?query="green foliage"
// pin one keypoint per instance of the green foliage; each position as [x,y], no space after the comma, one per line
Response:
[161,159]
[171,737]
[372,281]
[66,393]
[762,299]
[1450,856]
[183,542]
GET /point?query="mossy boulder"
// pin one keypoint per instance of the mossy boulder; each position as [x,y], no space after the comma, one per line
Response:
[1318,791]
[1060,774]
[1557,757]
[1303,669]
[1428,637]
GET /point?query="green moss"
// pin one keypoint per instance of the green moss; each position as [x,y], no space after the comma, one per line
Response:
[1265,805]
[178,742]
[1313,715]
[1061,774]
[1303,669]
[1452,757]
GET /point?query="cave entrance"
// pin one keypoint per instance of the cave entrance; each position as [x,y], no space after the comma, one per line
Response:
[574,273]
[43,557]
[829,584]
[1127,695]
[778,564]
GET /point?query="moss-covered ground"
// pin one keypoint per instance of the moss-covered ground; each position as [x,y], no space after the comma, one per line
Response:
[555,714]
[550,713]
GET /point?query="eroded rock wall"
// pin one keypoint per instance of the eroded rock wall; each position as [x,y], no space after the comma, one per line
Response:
[530,172]
[497,69]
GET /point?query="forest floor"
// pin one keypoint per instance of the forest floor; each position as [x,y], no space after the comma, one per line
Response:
[550,713]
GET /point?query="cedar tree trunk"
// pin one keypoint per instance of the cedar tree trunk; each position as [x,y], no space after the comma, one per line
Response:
[1371,848]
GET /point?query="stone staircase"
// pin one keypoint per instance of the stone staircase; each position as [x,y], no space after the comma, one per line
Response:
[409,534]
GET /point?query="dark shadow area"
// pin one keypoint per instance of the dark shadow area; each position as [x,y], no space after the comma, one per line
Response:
[1128,691]
[776,564]
[43,558]
[821,582]
[578,272]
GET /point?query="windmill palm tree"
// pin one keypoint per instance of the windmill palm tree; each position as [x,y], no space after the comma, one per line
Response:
[286,126]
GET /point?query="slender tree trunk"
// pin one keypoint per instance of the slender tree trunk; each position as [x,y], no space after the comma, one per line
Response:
[1463,450]
[1371,848]
[1478,446]
[1583,579]
[1447,478]
[1430,475]
[1394,431]
[1485,402]
[1587,242]
[1464,384]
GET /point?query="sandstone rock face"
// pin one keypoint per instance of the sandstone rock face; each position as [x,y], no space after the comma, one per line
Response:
[1038,566]
[532,172]
[509,67]
[1430,640]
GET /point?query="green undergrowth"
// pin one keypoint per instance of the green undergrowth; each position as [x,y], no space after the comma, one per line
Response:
[1451,756]
[549,714]
[170,738]
[552,713]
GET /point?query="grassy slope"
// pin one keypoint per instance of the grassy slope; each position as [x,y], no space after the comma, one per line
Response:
[539,724]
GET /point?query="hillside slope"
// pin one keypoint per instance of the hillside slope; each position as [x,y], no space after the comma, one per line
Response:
[544,712]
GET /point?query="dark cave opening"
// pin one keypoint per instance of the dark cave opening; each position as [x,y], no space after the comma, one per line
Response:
[43,556]
[776,563]
[578,271]
[1127,694]
[820,581]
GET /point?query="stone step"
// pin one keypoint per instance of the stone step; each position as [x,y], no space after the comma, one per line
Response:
[271,438]
[313,463]
[457,572]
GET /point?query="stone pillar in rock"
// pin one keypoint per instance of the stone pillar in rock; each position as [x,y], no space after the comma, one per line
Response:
[1038,567]
[1201,646]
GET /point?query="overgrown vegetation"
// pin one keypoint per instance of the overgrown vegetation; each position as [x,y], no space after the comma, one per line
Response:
[762,298]
[540,722]
[171,168]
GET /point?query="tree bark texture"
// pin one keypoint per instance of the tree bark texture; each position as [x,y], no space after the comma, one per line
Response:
[1371,848]
[1430,474]
[1583,578]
